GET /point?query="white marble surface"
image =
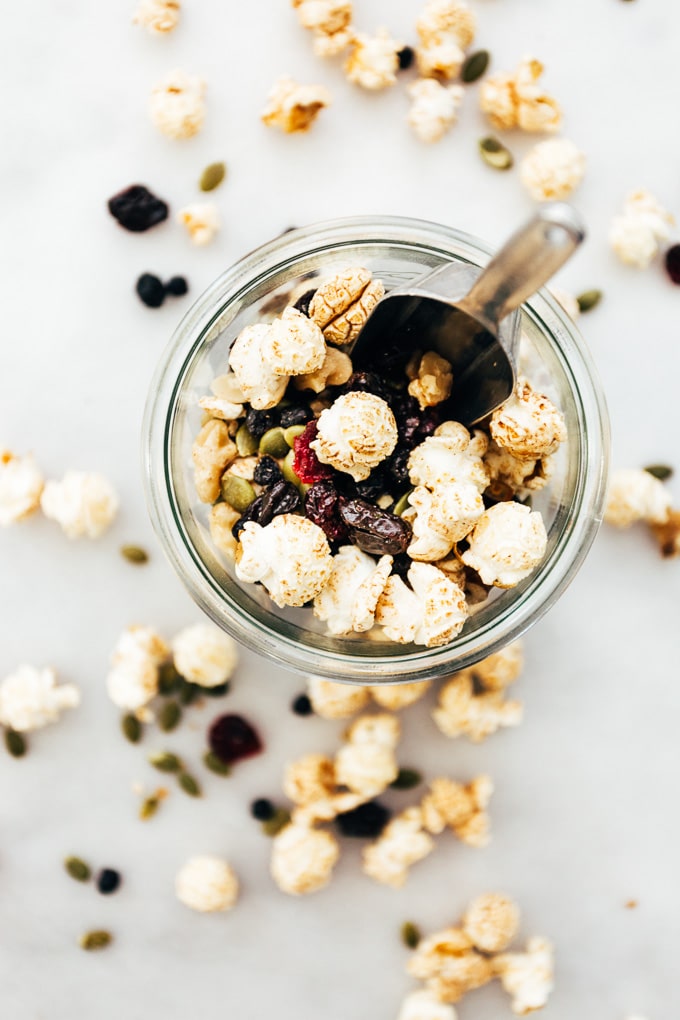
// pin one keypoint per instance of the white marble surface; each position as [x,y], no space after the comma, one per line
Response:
[585,813]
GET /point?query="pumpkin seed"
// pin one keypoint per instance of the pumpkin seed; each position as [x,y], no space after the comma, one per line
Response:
[95,940]
[406,779]
[212,762]
[288,471]
[169,679]
[246,444]
[169,716]
[292,432]
[134,554]
[278,821]
[149,807]
[77,869]
[237,492]
[589,299]
[212,176]
[402,503]
[164,761]
[218,691]
[15,743]
[188,693]
[274,443]
[410,934]
[661,471]
[475,66]
[131,727]
[189,785]
[495,154]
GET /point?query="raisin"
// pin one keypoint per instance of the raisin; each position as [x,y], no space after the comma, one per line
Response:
[259,422]
[108,881]
[373,486]
[150,290]
[281,498]
[367,820]
[322,507]
[374,530]
[306,464]
[137,209]
[267,471]
[232,738]
[262,809]
[177,286]
[367,382]
[302,705]
[398,466]
[406,411]
[251,513]
[296,415]
[302,304]
[406,57]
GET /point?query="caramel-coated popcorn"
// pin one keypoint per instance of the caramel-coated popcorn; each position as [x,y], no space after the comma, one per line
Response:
[433,380]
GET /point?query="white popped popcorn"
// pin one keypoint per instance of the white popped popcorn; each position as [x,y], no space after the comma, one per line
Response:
[459,807]
[432,380]
[348,601]
[366,764]
[31,699]
[449,965]
[514,475]
[441,518]
[373,61]
[308,779]
[396,696]
[325,809]
[335,296]
[303,859]
[516,100]
[260,385]
[294,107]
[331,23]
[21,485]
[204,655]
[635,495]
[133,679]
[506,544]
[528,976]
[336,701]
[293,345]
[552,169]
[402,843]
[201,220]
[491,922]
[212,451]
[290,557]
[528,425]
[637,233]
[429,613]
[461,711]
[424,1005]
[450,456]
[83,503]
[441,61]
[499,670]
[335,369]
[159,16]
[207,884]
[434,108]
[441,18]
[177,105]
[355,434]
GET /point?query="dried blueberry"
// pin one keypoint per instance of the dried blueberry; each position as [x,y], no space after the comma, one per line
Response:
[296,415]
[367,820]
[259,422]
[398,466]
[150,290]
[267,471]
[177,286]
[262,809]
[281,498]
[137,209]
[304,301]
[406,57]
[108,881]
[302,705]
[373,486]
[406,411]
[367,382]
[232,738]
[322,507]
[374,530]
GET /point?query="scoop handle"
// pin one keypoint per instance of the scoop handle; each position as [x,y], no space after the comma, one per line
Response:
[528,260]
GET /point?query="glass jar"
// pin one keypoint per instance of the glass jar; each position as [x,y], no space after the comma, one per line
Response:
[398,251]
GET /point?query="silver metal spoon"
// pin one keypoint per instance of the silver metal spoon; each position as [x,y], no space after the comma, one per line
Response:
[470,315]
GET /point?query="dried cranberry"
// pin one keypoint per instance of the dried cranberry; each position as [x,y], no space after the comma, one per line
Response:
[259,422]
[374,530]
[231,738]
[321,507]
[405,57]
[306,464]
[673,263]
[304,301]
[398,466]
[280,498]
[367,820]
[296,415]
[267,471]
[367,382]
[137,209]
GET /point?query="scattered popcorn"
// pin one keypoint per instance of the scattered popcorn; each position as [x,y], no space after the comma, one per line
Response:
[499,670]
[293,345]
[374,60]
[461,808]
[331,22]
[518,475]
[260,386]
[449,965]
[491,922]
[348,601]
[567,300]
[446,17]
[440,62]
[432,380]
[635,495]
[133,679]
[425,1005]
[450,456]
[159,16]
[516,100]
[396,696]
[325,809]
[441,518]
[668,534]
[335,370]
[401,844]
[355,434]
[31,699]
[213,450]
[204,655]
[177,105]
[21,485]
[461,711]
[290,557]
[222,520]
[434,108]
[528,425]
[303,859]
[294,107]
[506,544]
[429,613]
[82,503]
[366,764]
[528,976]
[637,233]
[207,884]
[309,779]
[202,222]
[336,701]
[552,169]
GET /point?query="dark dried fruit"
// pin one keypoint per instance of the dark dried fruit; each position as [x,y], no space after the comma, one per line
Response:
[367,382]
[367,820]
[150,290]
[281,498]
[306,464]
[251,514]
[406,779]
[304,301]
[374,530]
[15,743]
[267,471]
[672,262]
[410,934]
[108,880]
[296,415]
[218,691]
[406,56]
[398,466]
[262,809]
[137,209]
[177,286]
[322,506]
[372,487]
[259,422]
[302,705]
[78,869]
[232,738]
[474,66]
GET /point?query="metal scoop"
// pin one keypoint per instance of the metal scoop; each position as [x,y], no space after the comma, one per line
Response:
[469,315]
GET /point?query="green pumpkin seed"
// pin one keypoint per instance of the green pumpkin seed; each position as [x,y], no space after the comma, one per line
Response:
[495,154]
[212,176]
[410,934]
[407,779]
[189,785]
[589,299]
[131,728]
[475,66]
[149,807]
[169,680]
[78,869]
[287,469]
[134,554]
[164,761]
[188,693]
[292,432]
[218,691]
[169,716]
[95,940]
[237,492]
[212,762]
[278,821]
[245,443]
[661,471]
[402,503]
[274,443]
[15,743]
